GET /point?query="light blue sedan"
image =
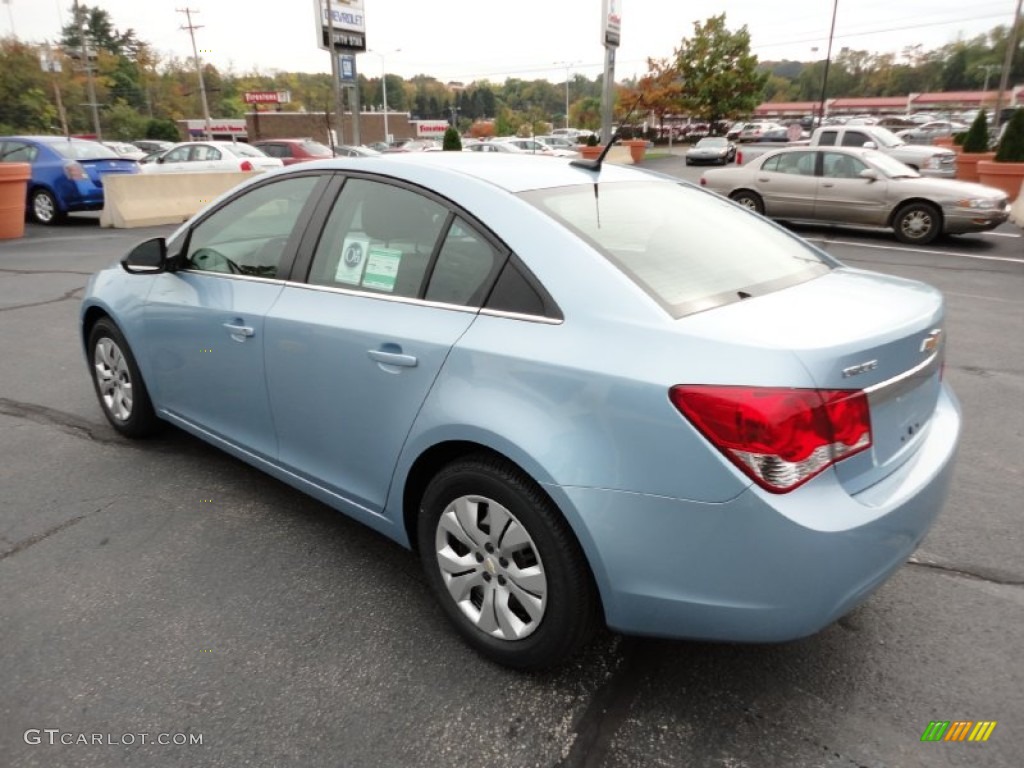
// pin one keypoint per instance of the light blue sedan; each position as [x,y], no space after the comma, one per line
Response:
[582,395]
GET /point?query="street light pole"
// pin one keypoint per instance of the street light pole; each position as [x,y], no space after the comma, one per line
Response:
[1007,62]
[567,65]
[384,88]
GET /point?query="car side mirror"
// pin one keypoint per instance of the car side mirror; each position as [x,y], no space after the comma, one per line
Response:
[147,258]
[869,145]
[869,173]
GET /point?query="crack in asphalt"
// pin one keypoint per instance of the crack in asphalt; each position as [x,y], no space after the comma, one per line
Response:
[608,708]
[26,543]
[990,575]
[66,422]
[64,297]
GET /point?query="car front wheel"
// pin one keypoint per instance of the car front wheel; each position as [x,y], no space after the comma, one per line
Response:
[118,383]
[44,209]
[917,223]
[504,564]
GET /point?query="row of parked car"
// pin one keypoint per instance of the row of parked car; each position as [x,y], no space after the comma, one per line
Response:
[67,173]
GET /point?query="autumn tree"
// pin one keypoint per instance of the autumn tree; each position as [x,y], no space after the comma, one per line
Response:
[718,72]
[659,92]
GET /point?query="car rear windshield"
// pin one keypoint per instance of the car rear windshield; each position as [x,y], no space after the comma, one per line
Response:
[316,149]
[688,249]
[84,150]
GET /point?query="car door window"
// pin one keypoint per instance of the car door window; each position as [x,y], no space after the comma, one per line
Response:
[179,155]
[855,139]
[378,238]
[827,139]
[838,166]
[248,235]
[18,152]
[464,268]
[205,153]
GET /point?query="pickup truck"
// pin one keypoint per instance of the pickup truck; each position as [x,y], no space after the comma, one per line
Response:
[926,160]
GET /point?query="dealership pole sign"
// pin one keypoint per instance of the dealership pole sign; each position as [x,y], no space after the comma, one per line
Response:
[349,25]
[611,23]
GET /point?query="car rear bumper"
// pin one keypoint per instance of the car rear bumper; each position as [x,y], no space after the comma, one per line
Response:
[761,567]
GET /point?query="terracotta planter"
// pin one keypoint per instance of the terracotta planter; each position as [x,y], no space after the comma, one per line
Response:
[637,149]
[13,193]
[590,153]
[967,164]
[1005,176]
[943,141]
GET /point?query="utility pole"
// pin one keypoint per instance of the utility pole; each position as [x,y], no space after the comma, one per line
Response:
[567,65]
[828,61]
[87,63]
[989,69]
[1007,62]
[199,67]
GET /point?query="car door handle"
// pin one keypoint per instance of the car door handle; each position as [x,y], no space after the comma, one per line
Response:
[763,179]
[240,332]
[392,358]
[828,184]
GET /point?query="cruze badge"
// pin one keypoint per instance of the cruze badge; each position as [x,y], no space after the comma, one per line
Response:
[931,342]
[856,370]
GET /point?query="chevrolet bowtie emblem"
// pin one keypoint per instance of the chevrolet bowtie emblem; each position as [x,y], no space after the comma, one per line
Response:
[931,342]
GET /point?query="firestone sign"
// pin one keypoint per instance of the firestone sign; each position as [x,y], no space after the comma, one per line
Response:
[430,128]
[267,97]
[349,25]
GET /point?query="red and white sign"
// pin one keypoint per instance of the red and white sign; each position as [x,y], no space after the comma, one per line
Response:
[431,128]
[267,97]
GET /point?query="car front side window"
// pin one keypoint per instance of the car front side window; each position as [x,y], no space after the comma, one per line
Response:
[248,235]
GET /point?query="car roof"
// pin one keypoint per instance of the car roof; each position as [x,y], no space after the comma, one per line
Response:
[270,141]
[512,172]
[47,139]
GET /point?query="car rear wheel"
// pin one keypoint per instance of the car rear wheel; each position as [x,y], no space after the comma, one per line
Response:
[118,383]
[748,199]
[44,209]
[504,564]
[917,223]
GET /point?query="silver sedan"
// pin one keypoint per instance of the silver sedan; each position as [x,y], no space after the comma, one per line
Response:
[862,187]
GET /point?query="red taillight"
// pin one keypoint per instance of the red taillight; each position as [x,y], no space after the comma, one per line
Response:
[703,181]
[780,438]
[75,171]
[246,165]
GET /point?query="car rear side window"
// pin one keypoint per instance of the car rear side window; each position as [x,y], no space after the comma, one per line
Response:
[689,249]
[827,139]
[855,139]
[378,238]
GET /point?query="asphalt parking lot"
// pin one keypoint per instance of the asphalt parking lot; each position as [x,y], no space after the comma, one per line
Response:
[162,588]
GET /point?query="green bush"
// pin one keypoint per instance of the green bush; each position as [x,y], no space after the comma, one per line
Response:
[592,140]
[1011,146]
[163,130]
[977,137]
[452,141]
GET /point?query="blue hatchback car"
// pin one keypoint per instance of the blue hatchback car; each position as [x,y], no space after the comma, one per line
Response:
[581,394]
[67,174]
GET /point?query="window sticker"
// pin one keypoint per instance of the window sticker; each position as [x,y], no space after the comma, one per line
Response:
[381,268]
[353,259]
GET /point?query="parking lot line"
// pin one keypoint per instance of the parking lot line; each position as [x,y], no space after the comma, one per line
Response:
[915,250]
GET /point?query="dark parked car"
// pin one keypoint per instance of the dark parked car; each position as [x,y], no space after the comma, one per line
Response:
[290,151]
[773,136]
[67,174]
[711,149]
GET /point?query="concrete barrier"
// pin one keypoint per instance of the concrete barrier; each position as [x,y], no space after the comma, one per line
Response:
[149,199]
[1017,208]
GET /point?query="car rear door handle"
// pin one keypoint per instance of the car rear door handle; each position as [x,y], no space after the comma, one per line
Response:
[828,184]
[385,357]
[764,179]
[240,332]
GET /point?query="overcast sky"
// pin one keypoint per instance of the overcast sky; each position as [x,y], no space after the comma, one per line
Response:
[471,40]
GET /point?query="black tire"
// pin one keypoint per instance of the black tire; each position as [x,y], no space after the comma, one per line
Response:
[489,488]
[917,223]
[43,208]
[688,162]
[748,199]
[119,386]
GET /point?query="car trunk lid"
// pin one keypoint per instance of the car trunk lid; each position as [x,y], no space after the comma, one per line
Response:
[854,330]
[97,168]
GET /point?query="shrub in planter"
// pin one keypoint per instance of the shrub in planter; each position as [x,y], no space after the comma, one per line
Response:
[1011,146]
[592,140]
[976,139]
[452,141]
